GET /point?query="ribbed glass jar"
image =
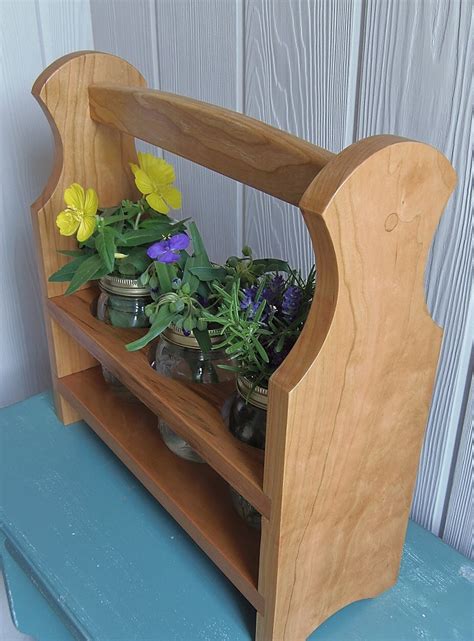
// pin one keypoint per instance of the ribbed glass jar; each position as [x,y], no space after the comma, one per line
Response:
[247,422]
[122,303]
[179,356]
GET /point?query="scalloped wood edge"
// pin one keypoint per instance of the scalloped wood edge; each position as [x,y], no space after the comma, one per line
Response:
[348,407]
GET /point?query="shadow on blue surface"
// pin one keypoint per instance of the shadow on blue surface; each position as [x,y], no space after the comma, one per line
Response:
[115,567]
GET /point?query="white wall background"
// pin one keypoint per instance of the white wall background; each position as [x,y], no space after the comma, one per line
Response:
[330,71]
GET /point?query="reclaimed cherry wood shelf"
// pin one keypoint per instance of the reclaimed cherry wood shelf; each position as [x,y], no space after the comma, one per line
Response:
[348,406]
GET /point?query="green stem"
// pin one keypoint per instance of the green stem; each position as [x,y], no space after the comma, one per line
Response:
[140,213]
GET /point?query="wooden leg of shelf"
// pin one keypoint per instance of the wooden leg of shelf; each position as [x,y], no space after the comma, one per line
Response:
[66,413]
[67,357]
[271,629]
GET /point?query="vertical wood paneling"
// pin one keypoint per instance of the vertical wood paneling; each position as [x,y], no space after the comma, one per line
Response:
[297,59]
[459,526]
[198,57]
[415,81]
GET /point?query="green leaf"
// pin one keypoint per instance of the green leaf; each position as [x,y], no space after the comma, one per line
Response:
[162,320]
[105,245]
[272,265]
[67,271]
[89,269]
[202,337]
[198,244]
[136,237]
[135,263]
[164,277]
[72,252]
[188,277]
[208,274]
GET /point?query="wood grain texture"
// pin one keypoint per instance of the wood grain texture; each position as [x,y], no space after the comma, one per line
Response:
[232,144]
[192,410]
[193,494]
[347,408]
[297,58]
[416,81]
[85,153]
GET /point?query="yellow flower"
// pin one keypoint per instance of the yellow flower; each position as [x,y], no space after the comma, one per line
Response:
[80,213]
[154,177]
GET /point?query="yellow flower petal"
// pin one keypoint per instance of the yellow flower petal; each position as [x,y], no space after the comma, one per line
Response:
[74,196]
[146,161]
[91,202]
[86,228]
[157,203]
[143,182]
[67,223]
[172,196]
[134,167]
[161,172]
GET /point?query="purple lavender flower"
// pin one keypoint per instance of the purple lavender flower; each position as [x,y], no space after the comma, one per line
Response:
[167,250]
[249,301]
[291,301]
[273,289]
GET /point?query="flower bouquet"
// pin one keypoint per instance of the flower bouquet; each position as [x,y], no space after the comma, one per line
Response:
[116,239]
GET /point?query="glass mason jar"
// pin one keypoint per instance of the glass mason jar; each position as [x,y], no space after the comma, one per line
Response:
[247,422]
[122,303]
[179,356]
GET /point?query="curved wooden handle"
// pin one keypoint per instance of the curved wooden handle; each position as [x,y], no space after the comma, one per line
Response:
[230,143]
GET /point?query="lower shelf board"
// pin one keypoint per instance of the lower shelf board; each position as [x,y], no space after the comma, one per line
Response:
[192,493]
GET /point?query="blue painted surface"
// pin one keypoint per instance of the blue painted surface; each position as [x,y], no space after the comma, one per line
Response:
[116,567]
[31,612]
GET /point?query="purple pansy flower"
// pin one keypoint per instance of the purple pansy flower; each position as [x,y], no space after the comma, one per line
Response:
[167,250]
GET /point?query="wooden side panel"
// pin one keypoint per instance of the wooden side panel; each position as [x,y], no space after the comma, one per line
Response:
[89,154]
[297,59]
[344,433]
[416,81]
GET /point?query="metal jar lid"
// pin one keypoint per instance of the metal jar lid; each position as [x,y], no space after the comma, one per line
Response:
[123,286]
[175,335]
[255,395]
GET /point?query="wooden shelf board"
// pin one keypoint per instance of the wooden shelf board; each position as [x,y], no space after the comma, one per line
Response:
[193,410]
[196,497]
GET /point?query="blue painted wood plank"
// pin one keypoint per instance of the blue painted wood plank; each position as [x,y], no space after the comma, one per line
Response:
[30,611]
[116,566]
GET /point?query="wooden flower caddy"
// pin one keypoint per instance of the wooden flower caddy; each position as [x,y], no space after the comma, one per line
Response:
[347,408]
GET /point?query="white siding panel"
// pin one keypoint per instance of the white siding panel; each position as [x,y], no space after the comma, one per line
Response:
[197,52]
[416,82]
[297,61]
